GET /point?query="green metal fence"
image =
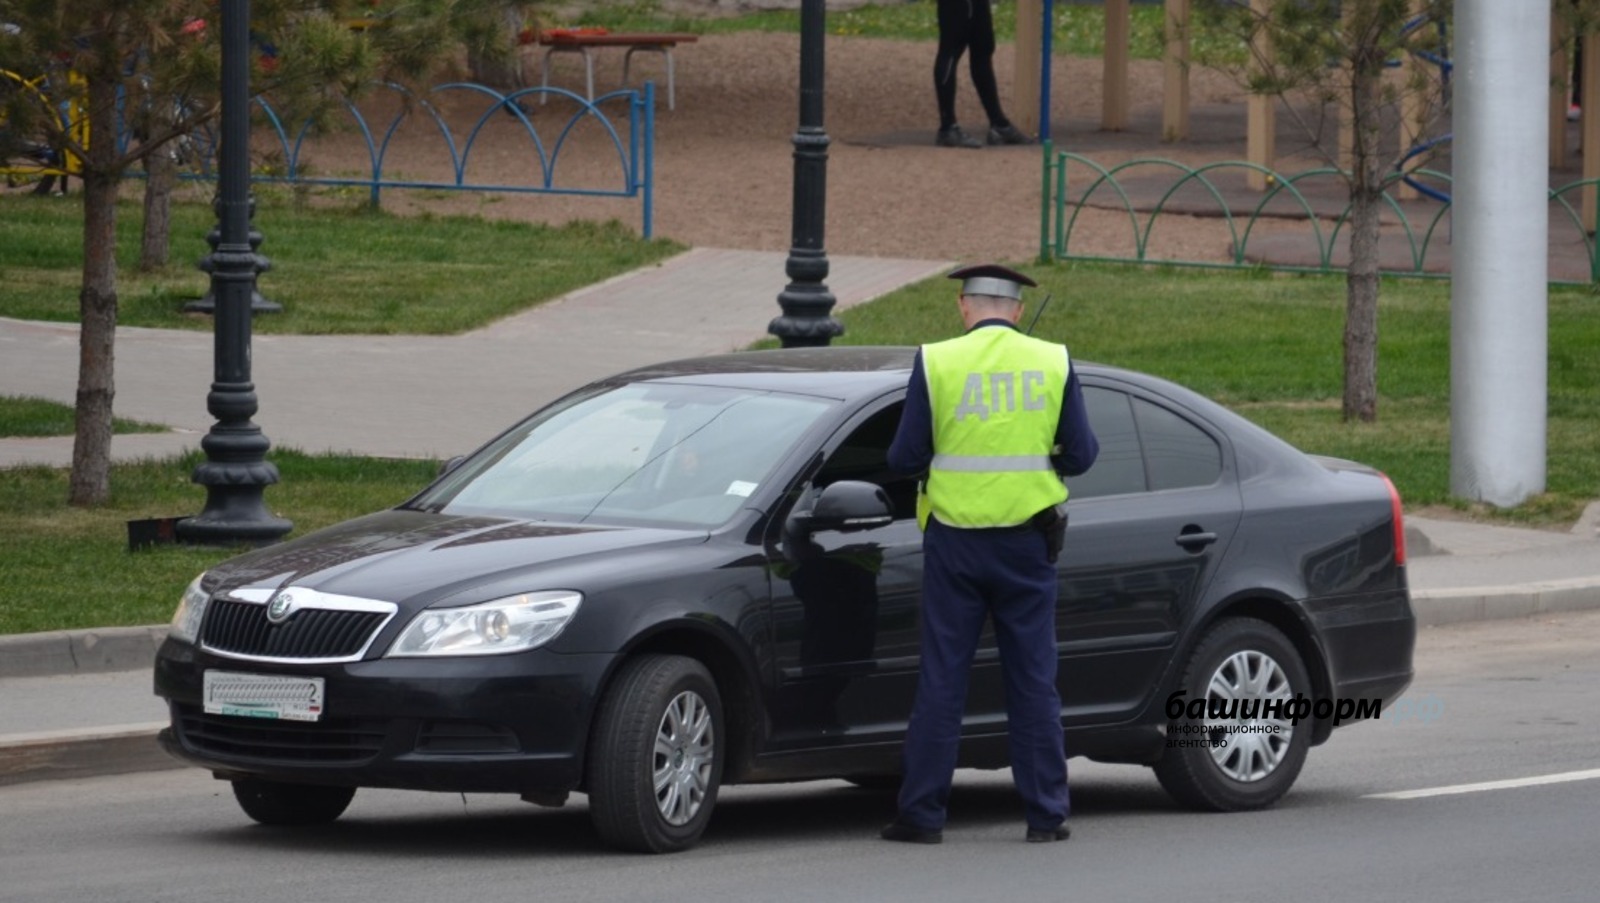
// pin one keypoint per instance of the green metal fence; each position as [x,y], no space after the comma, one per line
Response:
[1146,189]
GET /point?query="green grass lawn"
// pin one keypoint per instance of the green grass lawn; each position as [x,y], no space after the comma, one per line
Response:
[25,417]
[336,271]
[69,568]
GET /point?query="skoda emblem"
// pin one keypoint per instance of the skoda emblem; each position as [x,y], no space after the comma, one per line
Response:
[279,609]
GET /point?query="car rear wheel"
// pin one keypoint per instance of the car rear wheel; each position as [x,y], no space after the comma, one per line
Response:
[291,805]
[656,761]
[1223,763]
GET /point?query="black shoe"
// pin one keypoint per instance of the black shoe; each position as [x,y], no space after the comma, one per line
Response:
[1008,134]
[1048,835]
[904,833]
[955,137]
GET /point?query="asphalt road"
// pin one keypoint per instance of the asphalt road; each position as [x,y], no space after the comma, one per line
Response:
[1494,701]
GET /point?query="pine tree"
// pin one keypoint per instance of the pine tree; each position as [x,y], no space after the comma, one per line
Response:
[1338,54]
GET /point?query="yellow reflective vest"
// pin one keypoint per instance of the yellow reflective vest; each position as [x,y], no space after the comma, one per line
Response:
[996,397]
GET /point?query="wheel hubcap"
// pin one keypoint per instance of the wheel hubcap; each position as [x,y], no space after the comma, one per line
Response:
[684,751]
[1252,752]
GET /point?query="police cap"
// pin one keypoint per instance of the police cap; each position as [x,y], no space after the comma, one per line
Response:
[992,279]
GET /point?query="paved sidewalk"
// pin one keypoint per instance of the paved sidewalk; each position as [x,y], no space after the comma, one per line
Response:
[430,396]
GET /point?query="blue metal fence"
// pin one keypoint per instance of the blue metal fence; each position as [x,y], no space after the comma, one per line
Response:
[629,136]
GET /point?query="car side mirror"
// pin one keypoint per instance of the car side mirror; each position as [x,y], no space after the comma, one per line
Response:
[847,506]
[447,466]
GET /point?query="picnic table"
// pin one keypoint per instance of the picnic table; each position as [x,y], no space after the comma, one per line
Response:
[583,40]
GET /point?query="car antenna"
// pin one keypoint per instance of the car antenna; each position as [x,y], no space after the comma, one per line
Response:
[1038,313]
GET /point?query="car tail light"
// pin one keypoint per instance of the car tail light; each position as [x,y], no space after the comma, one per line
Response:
[1399,523]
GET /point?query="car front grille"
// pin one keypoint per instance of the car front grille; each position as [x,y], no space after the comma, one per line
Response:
[241,629]
[344,741]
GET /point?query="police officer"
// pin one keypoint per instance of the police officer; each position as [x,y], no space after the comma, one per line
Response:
[993,417]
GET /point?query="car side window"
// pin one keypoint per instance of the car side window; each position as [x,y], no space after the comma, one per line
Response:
[1177,453]
[1143,448]
[1120,467]
[864,456]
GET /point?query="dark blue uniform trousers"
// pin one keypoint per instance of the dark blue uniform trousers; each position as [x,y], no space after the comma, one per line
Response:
[968,575]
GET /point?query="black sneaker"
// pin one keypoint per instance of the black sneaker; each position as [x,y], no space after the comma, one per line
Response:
[1008,134]
[955,137]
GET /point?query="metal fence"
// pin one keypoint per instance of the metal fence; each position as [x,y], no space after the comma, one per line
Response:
[1416,232]
[629,137]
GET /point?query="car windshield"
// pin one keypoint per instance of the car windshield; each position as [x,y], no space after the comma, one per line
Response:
[657,454]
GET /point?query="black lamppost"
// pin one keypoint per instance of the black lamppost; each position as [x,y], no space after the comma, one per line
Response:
[258,303]
[236,470]
[806,302]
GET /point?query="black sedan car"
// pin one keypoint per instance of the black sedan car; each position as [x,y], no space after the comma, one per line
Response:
[703,573]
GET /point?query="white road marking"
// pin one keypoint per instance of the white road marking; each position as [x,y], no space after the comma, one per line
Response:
[1561,778]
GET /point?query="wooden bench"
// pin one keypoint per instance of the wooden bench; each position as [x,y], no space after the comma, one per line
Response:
[580,41]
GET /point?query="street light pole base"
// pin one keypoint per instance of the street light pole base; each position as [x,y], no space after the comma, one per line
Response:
[208,305]
[233,528]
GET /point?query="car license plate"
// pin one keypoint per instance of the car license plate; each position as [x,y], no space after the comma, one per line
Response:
[263,696]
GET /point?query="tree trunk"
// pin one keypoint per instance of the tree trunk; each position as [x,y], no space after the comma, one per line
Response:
[1361,280]
[90,482]
[500,68]
[156,243]
[1361,311]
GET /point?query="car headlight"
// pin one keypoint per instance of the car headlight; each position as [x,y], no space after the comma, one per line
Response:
[191,611]
[512,624]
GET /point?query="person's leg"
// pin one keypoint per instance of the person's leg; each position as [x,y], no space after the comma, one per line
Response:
[952,619]
[944,82]
[981,63]
[1024,607]
[1001,131]
[954,32]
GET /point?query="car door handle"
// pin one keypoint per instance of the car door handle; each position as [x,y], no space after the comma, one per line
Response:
[1194,539]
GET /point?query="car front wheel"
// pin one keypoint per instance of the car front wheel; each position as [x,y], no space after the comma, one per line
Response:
[656,761]
[291,805]
[1235,756]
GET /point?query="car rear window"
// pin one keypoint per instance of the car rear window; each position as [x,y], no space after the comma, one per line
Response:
[1177,454]
[1144,447]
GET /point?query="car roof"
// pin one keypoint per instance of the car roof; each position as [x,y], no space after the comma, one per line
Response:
[856,373]
[843,372]
[846,372]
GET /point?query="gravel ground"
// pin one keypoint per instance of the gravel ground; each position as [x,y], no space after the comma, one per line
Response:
[724,165]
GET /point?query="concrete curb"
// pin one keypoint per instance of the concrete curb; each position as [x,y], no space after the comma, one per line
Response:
[1437,607]
[82,753]
[92,651]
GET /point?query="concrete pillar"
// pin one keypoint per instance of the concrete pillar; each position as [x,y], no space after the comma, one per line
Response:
[1499,292]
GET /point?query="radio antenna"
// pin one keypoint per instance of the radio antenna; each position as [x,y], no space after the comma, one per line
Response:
[1038,313]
